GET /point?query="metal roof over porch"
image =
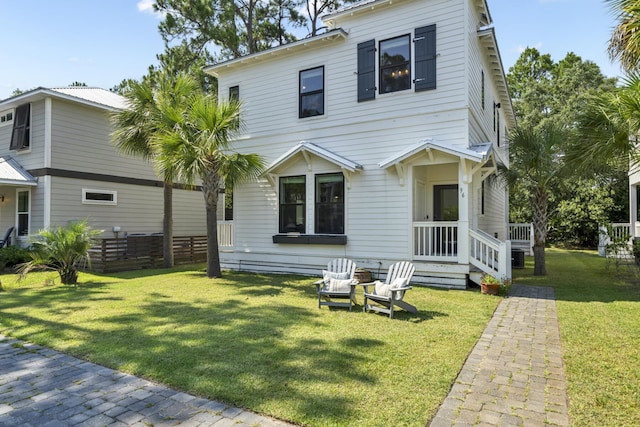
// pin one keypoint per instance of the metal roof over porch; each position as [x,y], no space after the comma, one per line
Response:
[476,153]
[12,173]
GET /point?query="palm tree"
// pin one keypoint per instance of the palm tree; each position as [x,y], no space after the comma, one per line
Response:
[63,249]
[624,44]
[195,145]
[536,164]
[608,130]
[136,126]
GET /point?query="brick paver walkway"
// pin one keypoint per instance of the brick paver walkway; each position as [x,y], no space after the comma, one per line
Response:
[514,376]
[40,387]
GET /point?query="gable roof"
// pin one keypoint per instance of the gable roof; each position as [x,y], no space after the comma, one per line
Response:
[308,147]
[476,153]
[90,96]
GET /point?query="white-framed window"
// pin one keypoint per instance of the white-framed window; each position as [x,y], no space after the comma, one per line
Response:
[99,197]
[23,211]
[6,117]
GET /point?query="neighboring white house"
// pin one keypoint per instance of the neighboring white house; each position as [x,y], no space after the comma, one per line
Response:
[382,136]
[57,164]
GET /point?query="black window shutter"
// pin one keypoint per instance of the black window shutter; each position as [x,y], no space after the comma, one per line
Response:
[20,132]
[425,67]
[366,70]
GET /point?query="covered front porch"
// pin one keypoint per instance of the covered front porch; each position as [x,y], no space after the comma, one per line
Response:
[16,185]
[459,217]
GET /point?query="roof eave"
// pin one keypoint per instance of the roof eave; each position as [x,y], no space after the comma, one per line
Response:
[488,38]
[336,34]
[41,93]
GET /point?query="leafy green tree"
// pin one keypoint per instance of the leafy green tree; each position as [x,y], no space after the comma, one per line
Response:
[196,145]
[232,27]
[548,93]
[317,8]
[535,165]
[62,249]
[588,204]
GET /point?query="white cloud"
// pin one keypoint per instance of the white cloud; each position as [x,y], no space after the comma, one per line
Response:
[146,6]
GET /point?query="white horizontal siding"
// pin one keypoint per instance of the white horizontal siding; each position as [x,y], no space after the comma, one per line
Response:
[378,204]
[269,87]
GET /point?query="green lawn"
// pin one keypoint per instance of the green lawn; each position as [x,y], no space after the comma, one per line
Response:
[258,341]
[599,315]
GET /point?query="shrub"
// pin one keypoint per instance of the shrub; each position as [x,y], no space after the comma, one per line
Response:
[63,249]
[12,256]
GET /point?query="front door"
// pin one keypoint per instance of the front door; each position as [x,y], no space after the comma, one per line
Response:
[445,202]
[445,208]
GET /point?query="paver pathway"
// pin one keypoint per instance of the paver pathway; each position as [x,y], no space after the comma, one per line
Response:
[514,376]
[44,388]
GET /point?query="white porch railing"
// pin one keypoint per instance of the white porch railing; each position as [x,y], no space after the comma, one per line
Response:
[435,241]
[521,236]
[225,233]
[490,254]
[620,231]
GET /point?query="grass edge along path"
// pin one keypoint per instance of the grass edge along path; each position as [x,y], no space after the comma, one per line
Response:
[258,341]
[598,312]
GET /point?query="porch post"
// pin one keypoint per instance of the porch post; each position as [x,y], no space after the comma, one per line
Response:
[464,208]
[633,209]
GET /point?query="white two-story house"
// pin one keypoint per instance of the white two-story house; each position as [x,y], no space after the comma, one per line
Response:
[382,137]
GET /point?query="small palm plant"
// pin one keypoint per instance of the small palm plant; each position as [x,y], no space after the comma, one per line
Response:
[63,249]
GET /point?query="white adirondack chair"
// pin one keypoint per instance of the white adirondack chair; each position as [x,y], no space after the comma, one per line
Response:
[337,283]
[384,296]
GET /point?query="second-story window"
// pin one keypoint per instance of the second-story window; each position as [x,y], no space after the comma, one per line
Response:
[311,92]
[395,64]
[20,136]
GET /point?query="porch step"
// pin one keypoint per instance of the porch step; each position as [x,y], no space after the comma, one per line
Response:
[476,276]
[456,278]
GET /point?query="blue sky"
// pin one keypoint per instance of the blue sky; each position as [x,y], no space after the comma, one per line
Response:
[101,42]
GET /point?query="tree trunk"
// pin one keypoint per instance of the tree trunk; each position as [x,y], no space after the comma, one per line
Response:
[210,189]
[68,276]
[167,226]
[540,222]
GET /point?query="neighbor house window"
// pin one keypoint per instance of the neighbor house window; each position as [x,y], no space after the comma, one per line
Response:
[292,204]
[329,206]
[23,211]
[234,93]
[99,197]
[6,118]
[20,136]
[395,64]
[311,92]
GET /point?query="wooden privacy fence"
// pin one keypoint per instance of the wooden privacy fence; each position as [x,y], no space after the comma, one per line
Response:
[145,251]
